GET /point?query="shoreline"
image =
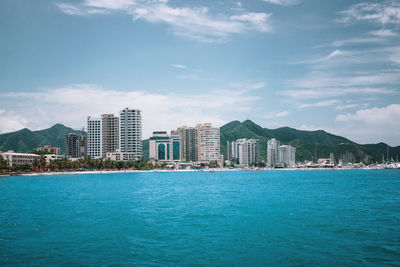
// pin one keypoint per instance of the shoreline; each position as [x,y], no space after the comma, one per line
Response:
[3,175]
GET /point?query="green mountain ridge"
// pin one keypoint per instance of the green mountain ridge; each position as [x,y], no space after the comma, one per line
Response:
[307,143]
[26,140]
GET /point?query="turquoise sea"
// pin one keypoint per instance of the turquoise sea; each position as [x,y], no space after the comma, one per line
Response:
[257,218]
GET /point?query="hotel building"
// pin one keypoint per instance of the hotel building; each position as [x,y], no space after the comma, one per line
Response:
[130,132]
[49,149]
[110,133]
[94,137]
[164,147]
[287,155]
[208,143]
[75,145]
[14,158]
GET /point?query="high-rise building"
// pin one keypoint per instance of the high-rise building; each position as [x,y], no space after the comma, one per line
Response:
[248,151]
[130,132]
[164,147]
[232,151]
[75,145]
[94,137]
[272,152]
[208,143]
[188,136]
[287,155]
[110,133]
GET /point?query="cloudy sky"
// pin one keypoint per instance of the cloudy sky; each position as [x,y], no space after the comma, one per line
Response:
[307,64]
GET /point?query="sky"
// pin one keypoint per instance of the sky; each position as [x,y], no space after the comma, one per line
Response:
[306,64]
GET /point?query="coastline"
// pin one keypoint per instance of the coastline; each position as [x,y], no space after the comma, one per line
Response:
[33,174]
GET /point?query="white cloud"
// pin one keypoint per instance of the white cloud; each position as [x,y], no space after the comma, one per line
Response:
[282,2]
[178,66]
[384,33]
[387,12]
[347,106]
[71,105]
[332,92]
[372,125]
[192,23]
[319,104]
[282,114]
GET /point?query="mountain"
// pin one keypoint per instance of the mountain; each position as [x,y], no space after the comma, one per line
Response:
[308,143]
[26,140]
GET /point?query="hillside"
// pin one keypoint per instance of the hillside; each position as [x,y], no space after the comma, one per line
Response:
[308,143]
[26,140]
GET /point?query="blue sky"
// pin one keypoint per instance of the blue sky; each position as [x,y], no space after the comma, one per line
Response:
[307,64]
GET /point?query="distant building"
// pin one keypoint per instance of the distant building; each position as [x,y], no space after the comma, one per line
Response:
[130,132]
[49,149]
[110,133]
[14,158]
[287,155]
[51,157]
[94,137]
[248,151]
[208,143]
[245,152]
[272,152]
[121,156]
[164,147]
[232,153]
[188,136]
[75,145]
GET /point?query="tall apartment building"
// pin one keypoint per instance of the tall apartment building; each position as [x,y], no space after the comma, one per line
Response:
[130,132]
[245,152]
[208,143]
[232,151]
[75,145]
[164,147]
[94,137]
[110,133]
[287,155]
[248,151]
[188,136]
[272,152]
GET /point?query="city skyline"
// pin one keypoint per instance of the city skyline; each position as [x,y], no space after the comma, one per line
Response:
[304,64]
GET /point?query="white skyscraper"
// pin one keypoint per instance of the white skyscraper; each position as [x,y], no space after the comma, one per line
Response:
[287,155]
[272,152]
[130,132]
[94,138]
[248,151]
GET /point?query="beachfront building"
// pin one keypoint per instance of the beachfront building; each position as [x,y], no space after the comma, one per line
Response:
[164,147]
[188,138]
[287,155]
[49,149]
[130,132]
[13,158]
[51,157]
[272,152]
[110,133]
[121,156]
[245,152]
[94,137]
[248,151]
[75,145]
[208,143]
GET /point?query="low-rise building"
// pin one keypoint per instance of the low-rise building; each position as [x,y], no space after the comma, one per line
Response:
[51,157]
[121,156]
[14,158]
[164,147]
[49,149]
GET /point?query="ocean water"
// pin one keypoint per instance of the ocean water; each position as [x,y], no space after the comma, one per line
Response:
[329,218]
